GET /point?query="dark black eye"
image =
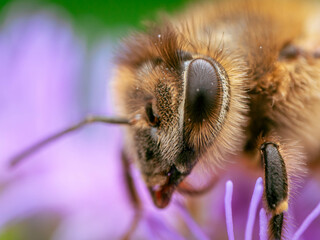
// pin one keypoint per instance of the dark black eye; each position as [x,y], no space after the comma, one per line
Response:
[202,89]
[153,118]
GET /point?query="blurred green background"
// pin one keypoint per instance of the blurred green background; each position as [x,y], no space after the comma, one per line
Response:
[96,17]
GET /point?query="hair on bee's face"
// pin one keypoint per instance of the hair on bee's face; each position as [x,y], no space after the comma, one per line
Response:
[182,95]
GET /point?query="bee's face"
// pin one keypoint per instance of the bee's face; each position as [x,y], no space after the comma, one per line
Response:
[181,98]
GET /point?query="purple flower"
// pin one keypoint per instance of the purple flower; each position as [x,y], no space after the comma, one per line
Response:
[49,80]
[263,217]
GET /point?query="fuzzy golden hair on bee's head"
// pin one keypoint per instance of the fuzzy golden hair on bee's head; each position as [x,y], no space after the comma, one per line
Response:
[193,87]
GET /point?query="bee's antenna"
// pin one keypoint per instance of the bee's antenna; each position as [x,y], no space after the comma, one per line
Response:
[88,120]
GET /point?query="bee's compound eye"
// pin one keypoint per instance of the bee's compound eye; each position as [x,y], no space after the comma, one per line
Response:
[153,119]
[201,89]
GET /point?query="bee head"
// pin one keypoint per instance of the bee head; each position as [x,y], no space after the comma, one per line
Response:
[181,99]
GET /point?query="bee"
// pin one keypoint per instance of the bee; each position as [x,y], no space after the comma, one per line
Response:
[216,81]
